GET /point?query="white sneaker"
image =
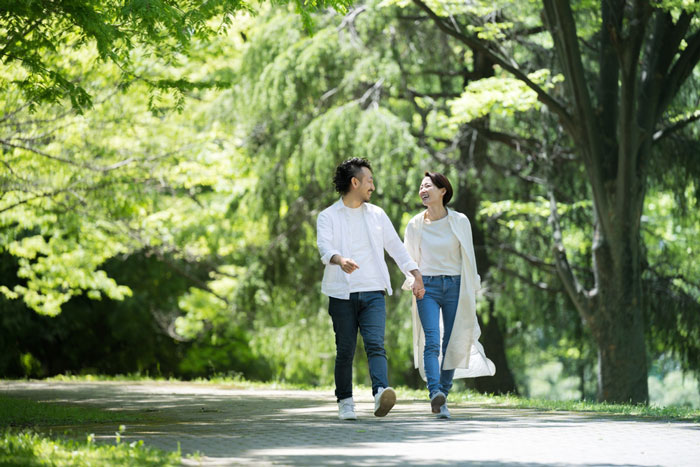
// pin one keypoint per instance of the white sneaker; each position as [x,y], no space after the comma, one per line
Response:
[384,400]
[437,401]
[444,412]
[346,409]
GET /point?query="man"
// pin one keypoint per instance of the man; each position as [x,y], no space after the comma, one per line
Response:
[352,235]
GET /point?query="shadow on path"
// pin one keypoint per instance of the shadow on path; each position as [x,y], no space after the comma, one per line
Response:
[227,426]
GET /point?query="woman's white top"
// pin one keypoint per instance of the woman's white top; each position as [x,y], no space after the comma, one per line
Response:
[439,250]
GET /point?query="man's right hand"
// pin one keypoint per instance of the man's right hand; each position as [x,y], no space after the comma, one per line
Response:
[346,264]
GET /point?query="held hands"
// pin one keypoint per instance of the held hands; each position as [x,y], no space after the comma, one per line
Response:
[418,287]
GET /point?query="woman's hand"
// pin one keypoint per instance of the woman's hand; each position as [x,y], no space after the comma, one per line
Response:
[418,287]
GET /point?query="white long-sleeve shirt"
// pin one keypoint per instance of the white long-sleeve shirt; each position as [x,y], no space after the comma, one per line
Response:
[333,237]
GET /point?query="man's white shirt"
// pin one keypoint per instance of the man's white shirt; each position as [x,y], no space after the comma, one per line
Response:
[339,232]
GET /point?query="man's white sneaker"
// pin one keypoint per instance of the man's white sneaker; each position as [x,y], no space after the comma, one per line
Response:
[384,400]
[346,409]
[437,401]
[444,412]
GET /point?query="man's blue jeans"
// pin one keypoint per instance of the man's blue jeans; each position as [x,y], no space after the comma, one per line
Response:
[441,293]
[366,311]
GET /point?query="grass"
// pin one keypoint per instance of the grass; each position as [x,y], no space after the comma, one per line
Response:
[31,449]
[16,412]
[231,381]
[21,445]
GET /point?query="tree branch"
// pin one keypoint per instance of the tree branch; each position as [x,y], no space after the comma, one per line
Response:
[680,71]
[586,133]
[532,260]
[575,291]
[197,282]
[435,95]
[349,23]
[106,168]
[476,44]
[538,285]
[530,146]
[664,132]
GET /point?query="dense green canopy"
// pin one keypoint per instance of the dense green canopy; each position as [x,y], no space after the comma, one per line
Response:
[161,180]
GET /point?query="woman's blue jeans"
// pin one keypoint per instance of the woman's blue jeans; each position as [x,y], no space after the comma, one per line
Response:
[441,294]
[366,311]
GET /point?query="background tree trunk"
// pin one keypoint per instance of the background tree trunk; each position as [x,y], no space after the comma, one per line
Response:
[494,342]
[618,321]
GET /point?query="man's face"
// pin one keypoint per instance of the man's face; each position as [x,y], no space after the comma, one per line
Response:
[364,185]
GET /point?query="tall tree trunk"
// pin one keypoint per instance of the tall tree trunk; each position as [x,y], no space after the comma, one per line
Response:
[609,150]
[618,322]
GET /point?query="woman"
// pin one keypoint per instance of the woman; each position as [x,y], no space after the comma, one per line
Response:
[440,241]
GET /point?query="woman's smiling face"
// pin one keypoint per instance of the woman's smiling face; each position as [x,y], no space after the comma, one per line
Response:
[429,193]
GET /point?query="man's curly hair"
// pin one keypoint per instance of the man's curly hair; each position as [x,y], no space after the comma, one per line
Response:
[345,171]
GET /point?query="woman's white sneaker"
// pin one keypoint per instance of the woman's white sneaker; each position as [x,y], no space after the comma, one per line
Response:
[444,412]
[346,409]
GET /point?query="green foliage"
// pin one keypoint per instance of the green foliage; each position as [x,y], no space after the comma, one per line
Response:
[26,448]
[500,96]
[90,335]
[308,102]
[169,212]
[672,280]
[675,389]
[80,189]
[164,30]
[20,446]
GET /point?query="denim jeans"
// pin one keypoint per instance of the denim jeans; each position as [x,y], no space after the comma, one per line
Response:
[366,311]
[441,293]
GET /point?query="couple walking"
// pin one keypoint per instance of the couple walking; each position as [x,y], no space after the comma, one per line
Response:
[437,256]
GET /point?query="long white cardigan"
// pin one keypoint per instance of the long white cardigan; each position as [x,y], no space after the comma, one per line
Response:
[464,352]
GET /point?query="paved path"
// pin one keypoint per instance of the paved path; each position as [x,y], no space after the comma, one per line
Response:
[263,427]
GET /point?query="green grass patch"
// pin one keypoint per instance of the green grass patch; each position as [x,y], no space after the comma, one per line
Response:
[236,382]
[20,445]
[31,449]
[598,408]
[17,412]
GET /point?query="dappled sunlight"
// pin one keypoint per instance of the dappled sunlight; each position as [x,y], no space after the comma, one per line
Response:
[263,426]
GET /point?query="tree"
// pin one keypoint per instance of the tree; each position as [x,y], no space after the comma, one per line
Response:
[75,181]
[368,84]
[163,29]
[78,190]
[624,64]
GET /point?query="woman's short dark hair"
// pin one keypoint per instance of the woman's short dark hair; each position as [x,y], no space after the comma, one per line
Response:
[346,170]
[440,181]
